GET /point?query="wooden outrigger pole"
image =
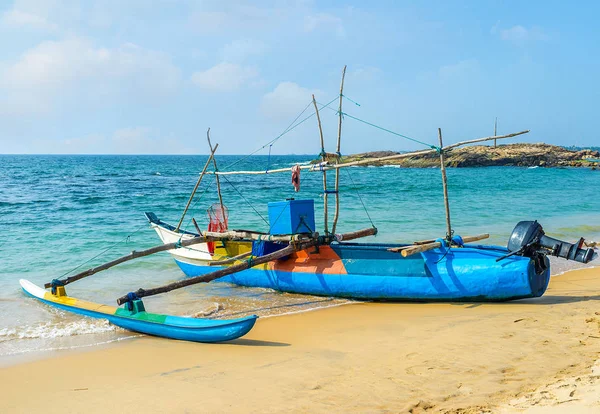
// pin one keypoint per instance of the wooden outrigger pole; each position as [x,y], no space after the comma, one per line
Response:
[324,158]
[217,176]
[212,154]
[337,172]
[205,236]
[209,277]
[293,246]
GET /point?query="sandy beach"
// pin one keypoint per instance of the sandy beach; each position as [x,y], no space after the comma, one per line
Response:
[533,355]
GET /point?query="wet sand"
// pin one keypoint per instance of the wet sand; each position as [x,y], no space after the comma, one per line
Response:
[533,355]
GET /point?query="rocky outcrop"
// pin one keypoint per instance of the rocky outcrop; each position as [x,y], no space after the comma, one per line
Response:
[520,155]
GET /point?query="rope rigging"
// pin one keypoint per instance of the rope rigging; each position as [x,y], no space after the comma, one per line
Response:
[290,128]
[380,127]
[246,200]
[355,188]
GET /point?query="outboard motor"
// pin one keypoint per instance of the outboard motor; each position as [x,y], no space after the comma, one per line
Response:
[528,239]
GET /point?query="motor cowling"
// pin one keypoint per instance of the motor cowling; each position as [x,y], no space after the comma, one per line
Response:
[528,239]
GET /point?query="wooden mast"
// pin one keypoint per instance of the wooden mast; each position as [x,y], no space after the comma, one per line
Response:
[445,185]
[324,158]
[337,171]
[216,175]
[495,130]
[212,154]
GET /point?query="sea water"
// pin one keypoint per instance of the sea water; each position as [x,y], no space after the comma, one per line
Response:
[64,214]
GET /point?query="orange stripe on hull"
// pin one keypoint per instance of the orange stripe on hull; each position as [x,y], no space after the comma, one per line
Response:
[326,261]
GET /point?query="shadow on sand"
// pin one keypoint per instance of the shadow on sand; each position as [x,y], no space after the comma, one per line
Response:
[254,342]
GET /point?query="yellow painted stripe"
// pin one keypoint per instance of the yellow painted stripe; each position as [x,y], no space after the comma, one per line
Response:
[80,304]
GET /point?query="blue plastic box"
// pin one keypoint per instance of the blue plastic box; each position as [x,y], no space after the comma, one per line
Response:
[292,217]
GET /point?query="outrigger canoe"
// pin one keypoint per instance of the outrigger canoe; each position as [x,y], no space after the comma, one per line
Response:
[138,320]
[376,271]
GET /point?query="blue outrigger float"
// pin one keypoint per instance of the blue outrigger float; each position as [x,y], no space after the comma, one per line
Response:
[135,318]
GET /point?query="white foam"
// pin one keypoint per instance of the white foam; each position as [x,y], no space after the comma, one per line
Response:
[64,348]
[49,330]
[334,305]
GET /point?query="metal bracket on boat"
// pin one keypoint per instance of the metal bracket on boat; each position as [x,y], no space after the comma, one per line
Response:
[134,304]
[58,287]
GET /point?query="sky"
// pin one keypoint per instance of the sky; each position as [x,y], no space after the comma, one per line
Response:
[150,77]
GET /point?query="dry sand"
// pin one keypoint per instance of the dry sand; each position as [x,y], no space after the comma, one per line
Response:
[534,355]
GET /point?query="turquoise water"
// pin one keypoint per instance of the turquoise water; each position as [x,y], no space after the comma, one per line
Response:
[60,212]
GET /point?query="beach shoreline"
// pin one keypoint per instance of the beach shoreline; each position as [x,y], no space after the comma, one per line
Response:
[367,357]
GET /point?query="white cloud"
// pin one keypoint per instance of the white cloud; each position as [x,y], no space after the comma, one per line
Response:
[130,140]
[462,68]
[233,16]
[55,69]
[19,18]
[240,49]
[209,21]
[224,77]
[46,15]
[324,21]
[519,34]
[365,74]
[286,100]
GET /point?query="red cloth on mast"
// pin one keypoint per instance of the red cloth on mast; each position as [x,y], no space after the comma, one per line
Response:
[296,177]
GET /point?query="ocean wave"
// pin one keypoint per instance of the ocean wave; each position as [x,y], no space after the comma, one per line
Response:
[50,330]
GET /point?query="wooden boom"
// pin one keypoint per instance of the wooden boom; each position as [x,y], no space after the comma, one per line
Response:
[406,251]
[209,277]
[326,167]
[134,255]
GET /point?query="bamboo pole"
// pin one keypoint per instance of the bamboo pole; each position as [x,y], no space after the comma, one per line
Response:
[495,130]
[134,255]
[473,141]
[196,226]
[250,235]
[217,176]
[209,277]
[203,238]
[356,234]
[337,171]
[327,167]
[324,158]
[445,186]
[420,248]
[212,154]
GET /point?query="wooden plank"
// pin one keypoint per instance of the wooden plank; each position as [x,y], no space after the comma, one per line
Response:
[419,248]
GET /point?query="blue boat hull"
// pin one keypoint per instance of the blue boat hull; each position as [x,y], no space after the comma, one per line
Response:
[370,271]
